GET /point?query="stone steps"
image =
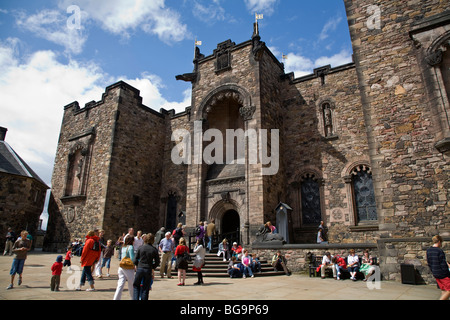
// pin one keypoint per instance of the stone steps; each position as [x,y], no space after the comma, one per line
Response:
[216,267]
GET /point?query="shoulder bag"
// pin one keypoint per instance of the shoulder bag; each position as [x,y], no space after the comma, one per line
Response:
[126,262]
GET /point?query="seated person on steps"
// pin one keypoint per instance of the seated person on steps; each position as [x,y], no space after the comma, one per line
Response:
[327,264]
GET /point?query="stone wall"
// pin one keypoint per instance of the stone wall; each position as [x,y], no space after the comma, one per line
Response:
[329,157]
[396,252]
[123,145]
[21,204]
[411,176]
[241,78]
[174,177]
[272,113]
[390,253]
[90,128]
[135,172]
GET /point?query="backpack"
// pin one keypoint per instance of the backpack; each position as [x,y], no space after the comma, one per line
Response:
[198,231]
[96,246]
[178,233]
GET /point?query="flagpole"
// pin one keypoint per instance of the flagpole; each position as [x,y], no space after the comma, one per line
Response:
[195,47]
[258,17]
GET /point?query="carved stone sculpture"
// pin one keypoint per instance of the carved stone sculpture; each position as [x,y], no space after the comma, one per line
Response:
[264,236]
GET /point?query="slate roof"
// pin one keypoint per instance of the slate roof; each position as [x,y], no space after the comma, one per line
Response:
[12,163]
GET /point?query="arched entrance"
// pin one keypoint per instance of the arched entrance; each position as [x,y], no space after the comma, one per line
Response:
[230,222]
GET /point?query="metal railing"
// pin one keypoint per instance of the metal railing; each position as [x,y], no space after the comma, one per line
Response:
[216,240]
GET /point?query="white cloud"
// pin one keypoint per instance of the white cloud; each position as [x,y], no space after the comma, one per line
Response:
[340,58]
[123,16]
[261,6]
[33,93]
[302,65]
[150,89]
[51,25]
[35,89]
[331,25]
[210,12]
[298,64]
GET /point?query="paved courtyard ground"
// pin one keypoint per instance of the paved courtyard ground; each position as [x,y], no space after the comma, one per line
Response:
[37,274]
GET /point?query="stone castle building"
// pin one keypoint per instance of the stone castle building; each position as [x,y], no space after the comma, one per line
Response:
[22,194]
[363,147]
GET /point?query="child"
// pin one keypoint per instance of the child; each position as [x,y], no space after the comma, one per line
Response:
[246,262]
[56,274]
[68,258]
[107,254]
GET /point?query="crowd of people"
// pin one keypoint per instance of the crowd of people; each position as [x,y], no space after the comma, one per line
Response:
[351,264]
[141,254]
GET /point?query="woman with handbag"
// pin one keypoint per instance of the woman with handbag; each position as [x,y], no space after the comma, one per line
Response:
[183,257]
[126,269]
[199,260]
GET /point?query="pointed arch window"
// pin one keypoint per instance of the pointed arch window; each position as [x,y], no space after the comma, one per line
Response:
[363,194]
[310,199]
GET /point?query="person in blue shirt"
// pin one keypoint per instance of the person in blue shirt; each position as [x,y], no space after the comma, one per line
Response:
[167,248]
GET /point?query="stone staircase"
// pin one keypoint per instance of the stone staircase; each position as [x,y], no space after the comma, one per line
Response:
[217,268]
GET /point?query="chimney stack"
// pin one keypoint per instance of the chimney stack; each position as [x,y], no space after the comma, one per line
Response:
[3,133]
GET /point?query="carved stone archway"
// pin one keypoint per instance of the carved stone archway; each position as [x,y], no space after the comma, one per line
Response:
[228,91]
[219,210]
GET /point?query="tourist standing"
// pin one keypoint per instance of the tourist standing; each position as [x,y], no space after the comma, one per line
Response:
[166,247]
[159,236]
[56,274]
[98,265]
[146,261]
[138,241]
[210,232]
[10,238]
[89,256]
[68,258]
[20,249]
[182,262]
[126,274]
[129,234]
[199,260]
[107,255]
[178,233]
[200,231]
[439,266]
[119,245]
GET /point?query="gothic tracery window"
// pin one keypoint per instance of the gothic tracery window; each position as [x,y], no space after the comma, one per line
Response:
[310,200]
[363,194]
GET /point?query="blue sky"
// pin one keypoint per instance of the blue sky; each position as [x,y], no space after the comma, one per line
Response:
[45,65]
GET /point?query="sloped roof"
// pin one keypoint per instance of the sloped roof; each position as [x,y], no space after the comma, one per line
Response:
[12,163]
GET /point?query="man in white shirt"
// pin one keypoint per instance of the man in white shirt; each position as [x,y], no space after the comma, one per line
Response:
[327,264]
[138,241]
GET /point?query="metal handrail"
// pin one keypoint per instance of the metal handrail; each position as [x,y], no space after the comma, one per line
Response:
[216,239]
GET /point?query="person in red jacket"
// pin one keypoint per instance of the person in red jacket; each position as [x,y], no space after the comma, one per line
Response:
[56,274]
[340,264]
[89,256]
[236,251]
